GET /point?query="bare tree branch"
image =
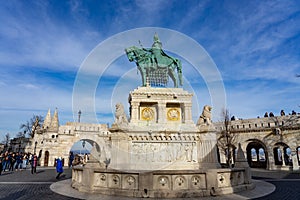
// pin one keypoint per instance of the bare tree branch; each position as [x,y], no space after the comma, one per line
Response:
[227,138]
[30,126]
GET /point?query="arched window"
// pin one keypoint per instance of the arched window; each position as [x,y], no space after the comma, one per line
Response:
[279,153]
[253,155]
[288,156]
[262,155]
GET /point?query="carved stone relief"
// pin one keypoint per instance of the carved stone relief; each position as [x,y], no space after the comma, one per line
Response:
[164,152]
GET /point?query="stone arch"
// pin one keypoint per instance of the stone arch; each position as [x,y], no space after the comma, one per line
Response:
[102,144]
[298,154]
[260,158]
[282,154]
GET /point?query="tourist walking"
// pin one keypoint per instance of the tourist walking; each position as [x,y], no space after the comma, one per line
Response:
[4,161]
[59,167]
[24,161]
[18,165]
[34,162]
[71,158]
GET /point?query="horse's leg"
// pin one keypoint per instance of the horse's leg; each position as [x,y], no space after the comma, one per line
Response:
[180,77]
[172,74]
[143,74]
[178,65]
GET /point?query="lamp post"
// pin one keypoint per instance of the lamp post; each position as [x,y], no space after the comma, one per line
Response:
[35,147]
[20,146]
[79,114]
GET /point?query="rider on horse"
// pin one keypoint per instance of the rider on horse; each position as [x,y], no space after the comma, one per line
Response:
[156,51]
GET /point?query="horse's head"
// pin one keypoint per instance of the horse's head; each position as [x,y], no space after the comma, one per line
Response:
[130,52]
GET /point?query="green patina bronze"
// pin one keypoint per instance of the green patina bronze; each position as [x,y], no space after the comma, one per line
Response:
[155,65]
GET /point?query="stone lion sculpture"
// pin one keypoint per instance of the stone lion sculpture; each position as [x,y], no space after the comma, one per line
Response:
[205,117]
[120,115]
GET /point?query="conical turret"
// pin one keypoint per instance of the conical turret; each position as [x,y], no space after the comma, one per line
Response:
[47,121]
[55,122]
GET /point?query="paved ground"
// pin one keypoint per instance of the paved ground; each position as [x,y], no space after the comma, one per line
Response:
[21,185]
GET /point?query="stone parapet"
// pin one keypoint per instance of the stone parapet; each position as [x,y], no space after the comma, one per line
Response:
[161,183]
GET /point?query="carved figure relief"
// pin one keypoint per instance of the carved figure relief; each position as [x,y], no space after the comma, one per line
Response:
[164,152]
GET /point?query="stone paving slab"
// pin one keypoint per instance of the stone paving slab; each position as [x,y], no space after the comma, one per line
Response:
[21,185]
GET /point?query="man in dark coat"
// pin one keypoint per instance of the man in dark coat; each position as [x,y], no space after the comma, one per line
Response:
[59,167]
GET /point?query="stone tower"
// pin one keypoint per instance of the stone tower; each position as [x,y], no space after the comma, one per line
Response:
[54,122]
[47,121]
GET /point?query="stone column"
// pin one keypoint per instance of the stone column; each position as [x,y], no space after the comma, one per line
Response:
[188,113]
[207,151]
[295,160]
[134,112]
[241,162]
[282,156]
[162,112]
[119,152]
[271,160]
[257,154]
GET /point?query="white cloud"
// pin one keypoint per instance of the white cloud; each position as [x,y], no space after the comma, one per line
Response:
[42,41]
[253,42]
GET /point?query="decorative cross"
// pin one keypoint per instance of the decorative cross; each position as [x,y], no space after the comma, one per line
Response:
[130,180]
[196,180]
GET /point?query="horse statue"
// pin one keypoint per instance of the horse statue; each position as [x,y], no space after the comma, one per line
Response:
[153,60]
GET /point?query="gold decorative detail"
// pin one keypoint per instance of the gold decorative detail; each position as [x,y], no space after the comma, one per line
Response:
[173,114]
[147,113]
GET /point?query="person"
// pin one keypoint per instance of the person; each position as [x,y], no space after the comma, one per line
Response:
[34,162]
[24,161]
[1,167]
[5,161]
[71,158]
[18,164]
[59,167]
[156,51]
[12,158]
[86,158]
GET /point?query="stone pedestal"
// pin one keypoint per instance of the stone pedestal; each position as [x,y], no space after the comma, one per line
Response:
[160,106]
[208,151]
[161,153]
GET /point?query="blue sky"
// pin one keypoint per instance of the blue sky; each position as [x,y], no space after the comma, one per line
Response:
[254,44]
